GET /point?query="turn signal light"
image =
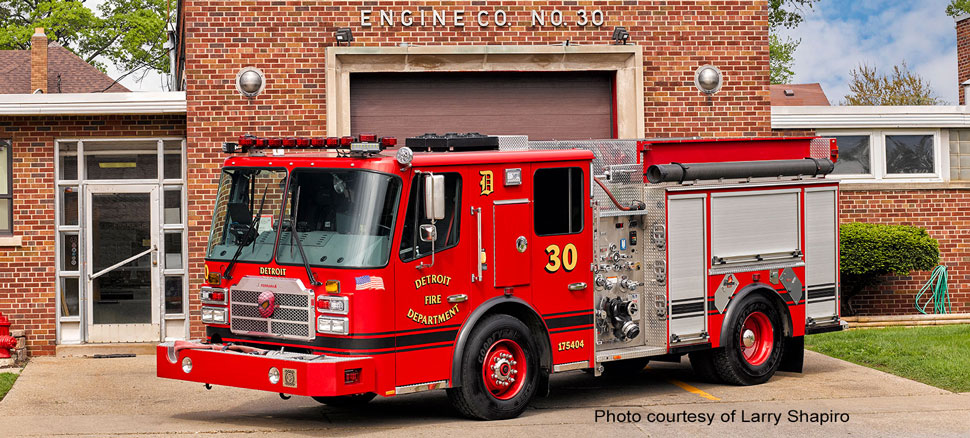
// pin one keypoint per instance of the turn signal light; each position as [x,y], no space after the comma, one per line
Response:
[332,287]
[214,278]
[352,376]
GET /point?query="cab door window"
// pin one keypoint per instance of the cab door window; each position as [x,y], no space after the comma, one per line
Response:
[558,195]
[412,247]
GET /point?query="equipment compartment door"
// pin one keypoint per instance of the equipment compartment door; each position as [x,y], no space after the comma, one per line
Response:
[510,242]
[686,253]
[821,253]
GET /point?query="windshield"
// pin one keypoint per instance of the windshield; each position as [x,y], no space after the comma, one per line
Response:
[237,218]
[344,218]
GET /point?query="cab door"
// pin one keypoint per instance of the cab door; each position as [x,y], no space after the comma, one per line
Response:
[430,300]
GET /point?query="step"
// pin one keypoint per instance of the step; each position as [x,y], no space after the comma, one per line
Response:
[90,350]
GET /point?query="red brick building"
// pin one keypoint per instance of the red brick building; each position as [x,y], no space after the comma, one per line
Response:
[548,69]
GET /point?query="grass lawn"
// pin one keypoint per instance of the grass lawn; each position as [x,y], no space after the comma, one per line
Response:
[6,382]
[935,355]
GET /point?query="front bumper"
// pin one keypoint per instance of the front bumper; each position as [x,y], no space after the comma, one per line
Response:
[300,374]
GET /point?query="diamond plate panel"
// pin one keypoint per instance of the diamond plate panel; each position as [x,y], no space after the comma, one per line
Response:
[616,158]
[654,253]
[819,148]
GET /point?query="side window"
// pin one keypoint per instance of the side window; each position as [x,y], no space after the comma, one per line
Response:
[6,187]
[411,245]
[558,195]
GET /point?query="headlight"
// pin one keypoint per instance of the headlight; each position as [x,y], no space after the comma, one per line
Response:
[211,315]
[274,375]
[329,324]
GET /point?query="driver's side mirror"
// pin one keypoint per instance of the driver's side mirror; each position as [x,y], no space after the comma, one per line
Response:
[429,233]
[434,198]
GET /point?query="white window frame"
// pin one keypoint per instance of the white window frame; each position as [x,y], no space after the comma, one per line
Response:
[877,156]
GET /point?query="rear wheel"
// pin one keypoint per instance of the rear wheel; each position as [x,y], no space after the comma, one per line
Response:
[347,401]
[625,368]
[753,345]
[499,370]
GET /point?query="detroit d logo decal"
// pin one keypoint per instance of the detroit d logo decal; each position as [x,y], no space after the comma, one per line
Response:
[266,304]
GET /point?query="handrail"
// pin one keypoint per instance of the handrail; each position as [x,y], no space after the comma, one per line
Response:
[121,263]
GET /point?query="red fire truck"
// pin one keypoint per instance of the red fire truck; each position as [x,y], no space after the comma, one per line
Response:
[482,264]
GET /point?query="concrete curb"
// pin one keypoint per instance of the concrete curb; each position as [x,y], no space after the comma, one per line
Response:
[906,320]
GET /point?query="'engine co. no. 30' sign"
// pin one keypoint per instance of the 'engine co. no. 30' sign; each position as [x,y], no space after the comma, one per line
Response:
[482,18]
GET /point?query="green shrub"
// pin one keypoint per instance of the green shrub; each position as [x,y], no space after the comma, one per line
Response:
[871,251]
[874,249]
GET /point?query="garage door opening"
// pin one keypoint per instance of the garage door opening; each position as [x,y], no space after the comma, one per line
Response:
[542,105]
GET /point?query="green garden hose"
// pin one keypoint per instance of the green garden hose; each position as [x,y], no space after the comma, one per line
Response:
[940,298]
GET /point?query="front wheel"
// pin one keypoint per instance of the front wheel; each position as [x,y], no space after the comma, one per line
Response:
[753,344]
[499,370]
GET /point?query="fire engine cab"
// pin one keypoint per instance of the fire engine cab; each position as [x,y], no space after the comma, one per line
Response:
[483,264]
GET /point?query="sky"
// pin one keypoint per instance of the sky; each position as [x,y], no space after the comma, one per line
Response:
[838,35]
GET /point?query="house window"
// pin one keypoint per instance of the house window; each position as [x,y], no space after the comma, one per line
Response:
[6,187]
[887,155]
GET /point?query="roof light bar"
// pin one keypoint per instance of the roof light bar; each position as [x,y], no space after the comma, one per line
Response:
[365,144]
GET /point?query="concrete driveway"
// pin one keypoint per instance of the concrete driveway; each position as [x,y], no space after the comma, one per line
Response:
[122,397]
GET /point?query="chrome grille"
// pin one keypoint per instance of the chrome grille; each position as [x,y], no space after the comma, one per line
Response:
[292,318]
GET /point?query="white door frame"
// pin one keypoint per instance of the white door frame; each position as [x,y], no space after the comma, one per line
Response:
[123,332]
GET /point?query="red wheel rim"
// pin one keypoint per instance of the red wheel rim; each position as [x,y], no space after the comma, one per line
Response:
[757,338]
[504,369]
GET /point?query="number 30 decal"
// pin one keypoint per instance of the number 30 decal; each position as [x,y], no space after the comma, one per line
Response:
[567,261]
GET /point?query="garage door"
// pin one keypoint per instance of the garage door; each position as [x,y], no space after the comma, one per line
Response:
[544,106]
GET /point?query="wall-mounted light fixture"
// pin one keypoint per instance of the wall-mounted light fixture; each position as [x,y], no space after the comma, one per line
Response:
[620,35]
[250,81]
[708,79]
[344,35]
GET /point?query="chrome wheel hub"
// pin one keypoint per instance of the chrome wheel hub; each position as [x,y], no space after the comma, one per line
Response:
[503,370]
[748,338]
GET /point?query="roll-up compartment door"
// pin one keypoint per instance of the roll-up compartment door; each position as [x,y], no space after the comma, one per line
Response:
[686,273]
[821,253]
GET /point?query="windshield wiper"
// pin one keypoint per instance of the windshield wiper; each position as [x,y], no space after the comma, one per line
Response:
[253,229]
[296,238]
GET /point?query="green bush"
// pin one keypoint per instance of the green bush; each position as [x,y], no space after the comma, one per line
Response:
[873,249]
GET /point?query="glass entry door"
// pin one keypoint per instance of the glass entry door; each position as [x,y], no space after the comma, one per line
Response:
[122,270]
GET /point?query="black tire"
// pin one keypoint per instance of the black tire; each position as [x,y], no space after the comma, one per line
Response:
[729,361]
[625,368]
[347,401]
[473,398]
[703,364]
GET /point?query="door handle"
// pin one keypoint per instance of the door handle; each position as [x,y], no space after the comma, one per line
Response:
[460,298]
[577,286]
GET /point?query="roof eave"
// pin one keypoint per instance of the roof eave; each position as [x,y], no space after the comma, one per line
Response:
[92,103]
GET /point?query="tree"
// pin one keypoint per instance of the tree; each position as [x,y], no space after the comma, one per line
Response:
[784,14]
[958,7]
[127,33]
[901,87]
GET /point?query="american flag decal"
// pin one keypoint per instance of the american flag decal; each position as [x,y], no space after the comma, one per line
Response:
[366,282]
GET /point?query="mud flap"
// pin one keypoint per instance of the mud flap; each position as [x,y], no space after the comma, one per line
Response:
[794,355]
[542,384]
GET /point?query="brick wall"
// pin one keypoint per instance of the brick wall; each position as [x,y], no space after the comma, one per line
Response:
[287,40]
[945,213]
[27,273]
[963,56]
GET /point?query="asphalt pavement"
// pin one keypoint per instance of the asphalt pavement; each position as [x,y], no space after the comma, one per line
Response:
[121,397]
